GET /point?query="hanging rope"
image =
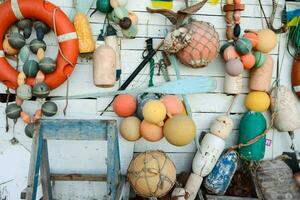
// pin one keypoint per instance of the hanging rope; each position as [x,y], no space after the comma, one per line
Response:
[270,22]
[63,56]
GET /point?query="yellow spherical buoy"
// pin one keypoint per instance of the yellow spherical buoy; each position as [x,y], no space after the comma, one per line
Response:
[179,130]
[151,132]
[257,101]
[130,128]
[155,112]
[266,40]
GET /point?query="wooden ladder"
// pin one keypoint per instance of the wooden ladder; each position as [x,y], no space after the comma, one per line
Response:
[72,129]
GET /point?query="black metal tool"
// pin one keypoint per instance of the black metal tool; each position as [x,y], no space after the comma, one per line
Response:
[148,54]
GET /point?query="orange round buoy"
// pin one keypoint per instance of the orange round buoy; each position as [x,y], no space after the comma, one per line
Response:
[173,104]
[25,117]
[296,76]
[66,35]
[124,105]
[248,60]
[151,132]
[252,37]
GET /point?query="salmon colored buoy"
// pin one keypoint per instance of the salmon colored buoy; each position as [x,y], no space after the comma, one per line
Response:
[230,53]
[151,132]
[25,117]
[43,11]
[296,77]
[173,104]
[260,78]
[248,60]
[124,105]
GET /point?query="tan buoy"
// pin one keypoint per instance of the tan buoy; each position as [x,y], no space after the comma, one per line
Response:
[179,130]
[130,128]
[260,78]
[233,84]
[151,174]
[267,40]
[222,126]
[104,65]
[286,108]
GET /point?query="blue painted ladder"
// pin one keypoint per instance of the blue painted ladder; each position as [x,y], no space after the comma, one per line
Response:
[72,129]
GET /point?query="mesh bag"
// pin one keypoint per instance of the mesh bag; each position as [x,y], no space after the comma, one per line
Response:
[151,174]
[204,45]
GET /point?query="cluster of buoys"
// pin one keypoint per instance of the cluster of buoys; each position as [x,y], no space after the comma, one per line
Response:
[253,123]
[249,52]
[117,13]
[151,174]
[195,44]
[37,77]
[155,118]
[31,68]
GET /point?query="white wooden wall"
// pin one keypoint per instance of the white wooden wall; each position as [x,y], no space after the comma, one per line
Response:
[72,157]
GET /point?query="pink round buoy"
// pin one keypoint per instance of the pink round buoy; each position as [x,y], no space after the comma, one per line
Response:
[173,104]
[234,67]
[124,105]
[204,45]
[230,53]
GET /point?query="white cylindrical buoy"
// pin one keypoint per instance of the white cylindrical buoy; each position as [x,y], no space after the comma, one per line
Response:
[211,148]
[222,126]
[233,84]
[192,185]
[285,106]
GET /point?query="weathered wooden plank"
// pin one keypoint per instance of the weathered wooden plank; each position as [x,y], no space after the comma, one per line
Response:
[215,197]
[45,173]
[78,177]
[74,129]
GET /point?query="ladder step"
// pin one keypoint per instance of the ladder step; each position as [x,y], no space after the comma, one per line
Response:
[78,177]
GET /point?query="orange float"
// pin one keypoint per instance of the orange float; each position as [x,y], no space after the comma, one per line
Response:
[13,10]
[296,77]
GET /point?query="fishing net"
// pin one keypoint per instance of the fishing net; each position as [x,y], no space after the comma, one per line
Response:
[151,174]
[204,45]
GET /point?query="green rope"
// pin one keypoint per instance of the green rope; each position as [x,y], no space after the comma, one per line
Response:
[294,40]
[152,66]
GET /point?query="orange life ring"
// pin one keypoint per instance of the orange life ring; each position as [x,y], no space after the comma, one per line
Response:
[13,10]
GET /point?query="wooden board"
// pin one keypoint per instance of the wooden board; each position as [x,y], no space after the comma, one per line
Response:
[205,107]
